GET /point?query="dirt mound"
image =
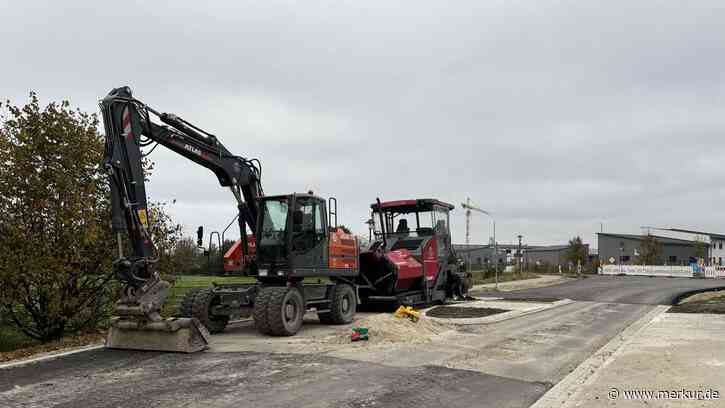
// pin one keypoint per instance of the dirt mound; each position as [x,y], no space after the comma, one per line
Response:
[388,329]
[458,312]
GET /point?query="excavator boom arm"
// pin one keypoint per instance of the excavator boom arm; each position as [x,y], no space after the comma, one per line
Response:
[128,128]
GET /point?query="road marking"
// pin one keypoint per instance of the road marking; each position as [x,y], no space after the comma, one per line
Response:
[50,356]
[563,393]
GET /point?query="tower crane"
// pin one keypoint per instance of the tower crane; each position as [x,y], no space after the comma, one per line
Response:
[470,207]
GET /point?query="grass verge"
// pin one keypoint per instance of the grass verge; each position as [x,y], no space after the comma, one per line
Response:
[183,284]
[712,302]
[12,339]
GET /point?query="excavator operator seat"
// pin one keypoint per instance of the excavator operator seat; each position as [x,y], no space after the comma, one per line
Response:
[402,227]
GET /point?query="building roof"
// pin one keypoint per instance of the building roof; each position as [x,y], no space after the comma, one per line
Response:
[469,247]
[709,234]
[500,246]
[661,239]
[549,248]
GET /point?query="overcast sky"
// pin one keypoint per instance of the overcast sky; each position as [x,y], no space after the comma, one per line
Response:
[555,116]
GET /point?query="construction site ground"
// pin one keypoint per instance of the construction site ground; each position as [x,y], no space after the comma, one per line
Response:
[503,363]
[541,281]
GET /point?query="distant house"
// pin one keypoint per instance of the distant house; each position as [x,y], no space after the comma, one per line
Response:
[626,249]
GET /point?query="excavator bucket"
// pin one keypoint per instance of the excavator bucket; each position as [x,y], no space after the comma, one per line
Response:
[183,335]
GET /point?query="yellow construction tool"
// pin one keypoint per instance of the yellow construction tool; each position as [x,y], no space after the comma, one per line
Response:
[409,312]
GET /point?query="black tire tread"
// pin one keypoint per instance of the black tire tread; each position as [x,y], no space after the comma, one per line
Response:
[200,310]
[187,302]
[259,312]
[335,315]
[275,310]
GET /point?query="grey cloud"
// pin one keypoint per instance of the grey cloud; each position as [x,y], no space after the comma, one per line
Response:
[555,116]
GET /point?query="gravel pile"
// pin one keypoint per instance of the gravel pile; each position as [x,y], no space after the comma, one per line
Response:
[388,329]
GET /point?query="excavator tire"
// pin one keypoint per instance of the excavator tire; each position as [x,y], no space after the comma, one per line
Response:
[259,312]
[342,306]
[186,308]
[204,300]
[285,310]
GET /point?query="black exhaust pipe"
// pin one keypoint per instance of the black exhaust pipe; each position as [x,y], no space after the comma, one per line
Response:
[382,223]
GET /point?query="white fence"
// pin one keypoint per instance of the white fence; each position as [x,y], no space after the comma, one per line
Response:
[648,270]
[713,271]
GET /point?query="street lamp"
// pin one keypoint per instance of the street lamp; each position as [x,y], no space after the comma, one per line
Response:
[621,255]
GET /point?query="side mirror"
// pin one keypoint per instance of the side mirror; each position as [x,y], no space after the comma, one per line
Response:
[200,236]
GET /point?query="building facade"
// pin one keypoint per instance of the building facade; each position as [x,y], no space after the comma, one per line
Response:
[715,245]
[480,255]
[716,252]
[626,249]
[552,255]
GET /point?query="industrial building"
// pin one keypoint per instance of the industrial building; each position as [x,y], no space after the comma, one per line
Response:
[715,251]
[626,249]
[552,255]
[479,255]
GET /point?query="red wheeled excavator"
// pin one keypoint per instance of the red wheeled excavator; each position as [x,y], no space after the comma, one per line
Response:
[293,234]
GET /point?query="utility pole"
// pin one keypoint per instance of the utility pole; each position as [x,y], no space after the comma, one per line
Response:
[520,254]
[467,206]
[495,254]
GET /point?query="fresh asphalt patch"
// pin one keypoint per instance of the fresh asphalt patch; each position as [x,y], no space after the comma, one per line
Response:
[460,312]
[123,378]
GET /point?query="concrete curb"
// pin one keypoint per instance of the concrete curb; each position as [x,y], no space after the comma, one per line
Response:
[563,393]
[50,356]
[501,316]
[489,287]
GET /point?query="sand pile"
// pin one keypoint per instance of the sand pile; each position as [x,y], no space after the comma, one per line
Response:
[385,328]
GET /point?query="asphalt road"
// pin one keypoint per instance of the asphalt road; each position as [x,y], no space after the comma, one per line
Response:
[108,378]
[506,364]
[641,290]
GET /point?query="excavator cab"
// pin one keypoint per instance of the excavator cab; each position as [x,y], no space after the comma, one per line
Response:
[296,237]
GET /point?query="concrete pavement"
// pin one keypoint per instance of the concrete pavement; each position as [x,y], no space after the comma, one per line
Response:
[506,364]
[673,360]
